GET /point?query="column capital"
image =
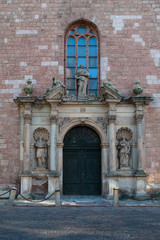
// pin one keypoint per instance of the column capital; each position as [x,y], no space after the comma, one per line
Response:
[27,118]
[111,119]
[139,118]
[54,119]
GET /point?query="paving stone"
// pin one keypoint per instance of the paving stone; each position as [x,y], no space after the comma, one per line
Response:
[77,223]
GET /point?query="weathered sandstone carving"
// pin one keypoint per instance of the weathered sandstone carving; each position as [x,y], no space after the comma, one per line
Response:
[41,136]
[123,136]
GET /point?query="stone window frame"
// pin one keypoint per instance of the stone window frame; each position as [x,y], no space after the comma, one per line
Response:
[89,25]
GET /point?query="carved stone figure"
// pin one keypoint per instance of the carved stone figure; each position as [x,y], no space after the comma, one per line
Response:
[55,85]
[41,136]
[82,78]
[41,153]
[124,135]
[109,84]
[124,153]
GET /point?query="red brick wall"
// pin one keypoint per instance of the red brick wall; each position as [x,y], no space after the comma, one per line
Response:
[32,45]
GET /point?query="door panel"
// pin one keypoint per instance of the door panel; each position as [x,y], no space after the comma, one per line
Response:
[82,163]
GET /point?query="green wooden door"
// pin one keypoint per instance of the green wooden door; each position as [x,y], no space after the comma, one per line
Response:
[81,162]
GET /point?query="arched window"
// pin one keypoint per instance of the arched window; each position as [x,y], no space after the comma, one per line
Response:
[81,48]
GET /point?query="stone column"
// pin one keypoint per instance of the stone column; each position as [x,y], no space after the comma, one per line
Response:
[26,156]
[53,145]
[60,164]
[105,170]
[139,118]
[112,147]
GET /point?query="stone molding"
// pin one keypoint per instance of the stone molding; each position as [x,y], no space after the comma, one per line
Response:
[105,145]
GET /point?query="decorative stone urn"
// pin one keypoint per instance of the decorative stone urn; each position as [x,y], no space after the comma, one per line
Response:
[137,90]
[28,89]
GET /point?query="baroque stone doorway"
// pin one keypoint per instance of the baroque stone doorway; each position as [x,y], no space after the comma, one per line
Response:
[82,162]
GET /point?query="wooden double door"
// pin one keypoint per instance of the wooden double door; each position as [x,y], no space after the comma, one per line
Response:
[82,162]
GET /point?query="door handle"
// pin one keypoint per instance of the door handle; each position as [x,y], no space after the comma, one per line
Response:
[83,175]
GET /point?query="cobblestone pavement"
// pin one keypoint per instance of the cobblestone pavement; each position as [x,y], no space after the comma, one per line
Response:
[79,223]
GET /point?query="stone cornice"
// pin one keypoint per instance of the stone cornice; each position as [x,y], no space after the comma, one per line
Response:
[25,99]
[140,100]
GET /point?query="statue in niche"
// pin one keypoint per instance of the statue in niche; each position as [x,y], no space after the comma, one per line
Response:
[41,136]
[55,85]
[123,136]
[82,78]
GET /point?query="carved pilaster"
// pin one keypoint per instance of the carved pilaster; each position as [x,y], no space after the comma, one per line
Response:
[139,118]
[111,119]
[27,118]
[54,119]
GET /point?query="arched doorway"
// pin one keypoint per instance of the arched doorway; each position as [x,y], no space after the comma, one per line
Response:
[81,162]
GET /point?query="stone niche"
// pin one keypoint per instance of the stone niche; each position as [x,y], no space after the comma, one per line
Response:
[118,121]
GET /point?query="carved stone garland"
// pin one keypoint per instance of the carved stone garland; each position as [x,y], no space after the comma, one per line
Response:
[41,136]
[124,136]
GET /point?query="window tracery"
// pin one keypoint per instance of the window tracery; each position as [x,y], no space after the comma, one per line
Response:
[82,48]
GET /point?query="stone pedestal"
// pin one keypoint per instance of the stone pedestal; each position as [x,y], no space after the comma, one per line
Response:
[129,182]
[26,186]
[53,184]
[141,192]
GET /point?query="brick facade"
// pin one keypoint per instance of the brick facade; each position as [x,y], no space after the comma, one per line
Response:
[32,46]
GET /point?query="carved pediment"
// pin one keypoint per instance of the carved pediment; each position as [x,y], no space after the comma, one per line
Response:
[109,93]
[56,94]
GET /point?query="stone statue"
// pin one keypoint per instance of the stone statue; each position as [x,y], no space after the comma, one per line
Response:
[41,136]
[124,153]
[41,153]
[82,78]
[123,136]
[109,84]
[55,84]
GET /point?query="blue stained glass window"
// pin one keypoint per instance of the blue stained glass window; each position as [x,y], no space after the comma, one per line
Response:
[92,32]
[91,91]
[92,51]
[92,41]
[82,48]
[71,62]
[82,60]
[93,62]
[93,83]
[71,51]
[70,72]
[92,72]
[71,41]
[82,51]
[81,30]
[72,31]
[82,41]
